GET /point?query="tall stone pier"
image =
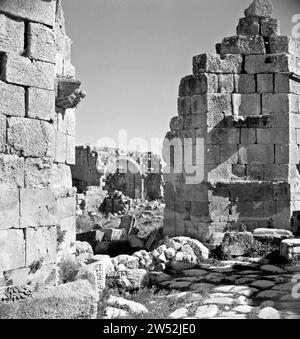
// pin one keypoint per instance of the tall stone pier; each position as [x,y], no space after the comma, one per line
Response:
[38,95]
[234,160]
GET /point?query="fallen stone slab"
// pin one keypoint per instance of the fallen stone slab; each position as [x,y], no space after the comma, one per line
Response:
[272,269]
[76,300]
[263,284]
[290,249]
[179,314]
[219,301]
[113,313]
[133,307]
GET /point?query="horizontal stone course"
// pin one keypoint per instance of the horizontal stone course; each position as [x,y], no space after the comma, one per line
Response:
[213,63]
[22,71]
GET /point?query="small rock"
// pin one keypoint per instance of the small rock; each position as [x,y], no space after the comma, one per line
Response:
[219,301]
[113,313]
[206,311]
[269,313]
[243,309]
[179,314]
[170,253]
[263,284]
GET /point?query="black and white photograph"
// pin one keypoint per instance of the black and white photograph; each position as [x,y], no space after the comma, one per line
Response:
[149,163]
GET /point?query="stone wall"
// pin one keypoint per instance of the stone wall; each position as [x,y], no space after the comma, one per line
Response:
[37,139]
[139,173]
[240,111]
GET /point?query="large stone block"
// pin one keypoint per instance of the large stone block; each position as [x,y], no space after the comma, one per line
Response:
[2,133]
[243,45]
[37,208]
[41,43]
[41,243]
[41,104]
[284,44]
[226,83]
[12,250]
[212,103]
[22,71]
[271,63]
[184,105]
[70,118]
[245,83]
[12,35]
[76,300]
[287,154]
[248,26]
[265,83]
[269,28]
[62,176]
[39,172]
[12,100]
[224,136]
[284,83]
[33,10]
[30,137]
[246,104]
[11,171]
[9,209]
[214,63]
[273,136]
[237,244]
[261,154]
[66,207]
[199,84]
[280,103]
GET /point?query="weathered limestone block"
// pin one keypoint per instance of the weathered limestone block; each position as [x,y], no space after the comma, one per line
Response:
[22,71]
[76,300]
[60,147]
[41,43]
[184,105]
[287,154]
[212,103]
[70,119]
[245,83]
[41,104]
[280,103]
[12,100]
[284,83]
[39,172]
[30,137]
[290,249]
[237,244]
[12,249]
[66,207]
[2,133]
[270,27]
[213,63]
[248,136]
[200,84]
[226,83]
[246,104]
[260,9]
[270,63]
[265,83]
[70,156]
[41,243]
[37,208]
[11,171]
[12,35]
[243,45]
[273,136]
[32,10]
[284,44]
[262,154]
[176,123]
[9,209]
[248,26]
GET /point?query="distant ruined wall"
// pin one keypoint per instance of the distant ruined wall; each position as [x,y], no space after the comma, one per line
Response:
[37,139]
[240,112]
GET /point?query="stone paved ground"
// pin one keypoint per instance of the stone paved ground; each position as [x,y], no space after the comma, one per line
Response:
[246,290]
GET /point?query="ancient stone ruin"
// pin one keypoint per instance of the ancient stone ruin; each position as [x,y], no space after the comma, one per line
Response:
[240,111]
[39,95]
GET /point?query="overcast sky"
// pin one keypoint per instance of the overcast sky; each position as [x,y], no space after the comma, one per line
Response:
[131,54]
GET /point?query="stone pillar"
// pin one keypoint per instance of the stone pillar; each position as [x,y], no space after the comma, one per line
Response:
[37,139]
[240,111]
